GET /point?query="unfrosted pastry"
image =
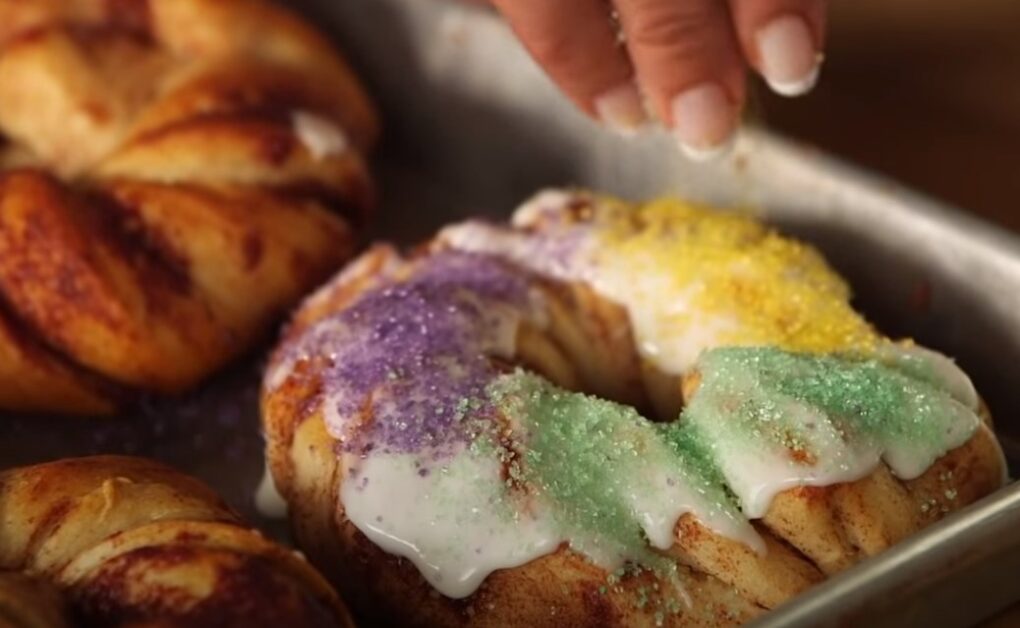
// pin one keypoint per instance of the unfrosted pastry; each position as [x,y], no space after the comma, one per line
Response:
[174,174]
[606,414]
[118,541]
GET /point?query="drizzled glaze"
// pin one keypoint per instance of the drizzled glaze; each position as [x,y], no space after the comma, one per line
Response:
[780,420]
[466,467]
[320,136]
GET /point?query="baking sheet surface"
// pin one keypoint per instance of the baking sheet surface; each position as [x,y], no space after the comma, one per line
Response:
[473,128]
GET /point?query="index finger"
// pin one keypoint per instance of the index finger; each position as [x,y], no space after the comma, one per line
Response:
[576,44]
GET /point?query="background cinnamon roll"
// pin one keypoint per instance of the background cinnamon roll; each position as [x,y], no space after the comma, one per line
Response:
[175,174]
[118,541]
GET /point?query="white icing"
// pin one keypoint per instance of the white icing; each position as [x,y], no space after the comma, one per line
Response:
[453,524]
[459,522]
[757,468]
[909,460]
[268,501]
[659,495]
[276,373]
[541,205]
[670,332]
[319,135]
[932,364]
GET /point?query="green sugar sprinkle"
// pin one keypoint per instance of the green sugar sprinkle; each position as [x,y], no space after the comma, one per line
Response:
[575,448]
[592,460]
[756,392]
[590,455]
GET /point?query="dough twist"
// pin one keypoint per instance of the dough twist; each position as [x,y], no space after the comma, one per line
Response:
[176,173]
[130,541]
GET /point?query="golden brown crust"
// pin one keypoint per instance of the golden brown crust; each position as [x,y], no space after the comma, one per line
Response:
[810,533]
[162,202]
[27,367]
[130,541]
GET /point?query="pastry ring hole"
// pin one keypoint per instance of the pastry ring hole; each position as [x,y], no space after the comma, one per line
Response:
[629,380]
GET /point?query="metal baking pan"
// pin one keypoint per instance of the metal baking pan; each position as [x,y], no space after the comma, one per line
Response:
[473,128]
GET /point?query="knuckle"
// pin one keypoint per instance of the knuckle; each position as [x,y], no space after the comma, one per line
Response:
[551,48]
[666,25]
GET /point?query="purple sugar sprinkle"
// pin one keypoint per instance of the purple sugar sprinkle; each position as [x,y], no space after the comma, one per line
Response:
[414,353]
[553,250]
[485,276]
[557,250]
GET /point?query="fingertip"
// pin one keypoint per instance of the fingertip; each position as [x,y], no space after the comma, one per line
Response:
[783,40]
[789,60]
[705,121]
[711,154]
[689,65]
[622,109]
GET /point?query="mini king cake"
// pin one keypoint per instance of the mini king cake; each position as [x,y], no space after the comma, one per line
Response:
[607,414]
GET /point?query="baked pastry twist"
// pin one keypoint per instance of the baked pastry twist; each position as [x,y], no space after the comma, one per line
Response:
[424,426]
[176,173]
[131,542]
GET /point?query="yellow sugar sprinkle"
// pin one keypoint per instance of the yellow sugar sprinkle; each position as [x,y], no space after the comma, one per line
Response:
[776,290]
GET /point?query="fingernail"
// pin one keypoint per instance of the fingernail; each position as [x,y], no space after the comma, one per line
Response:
[703,121]
[789,60]
[621,109]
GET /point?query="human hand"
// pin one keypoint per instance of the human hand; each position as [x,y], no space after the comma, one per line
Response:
[687,59]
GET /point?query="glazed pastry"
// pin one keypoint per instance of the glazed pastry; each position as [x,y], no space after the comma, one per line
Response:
[128,541]
[175,174]
[606,415]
